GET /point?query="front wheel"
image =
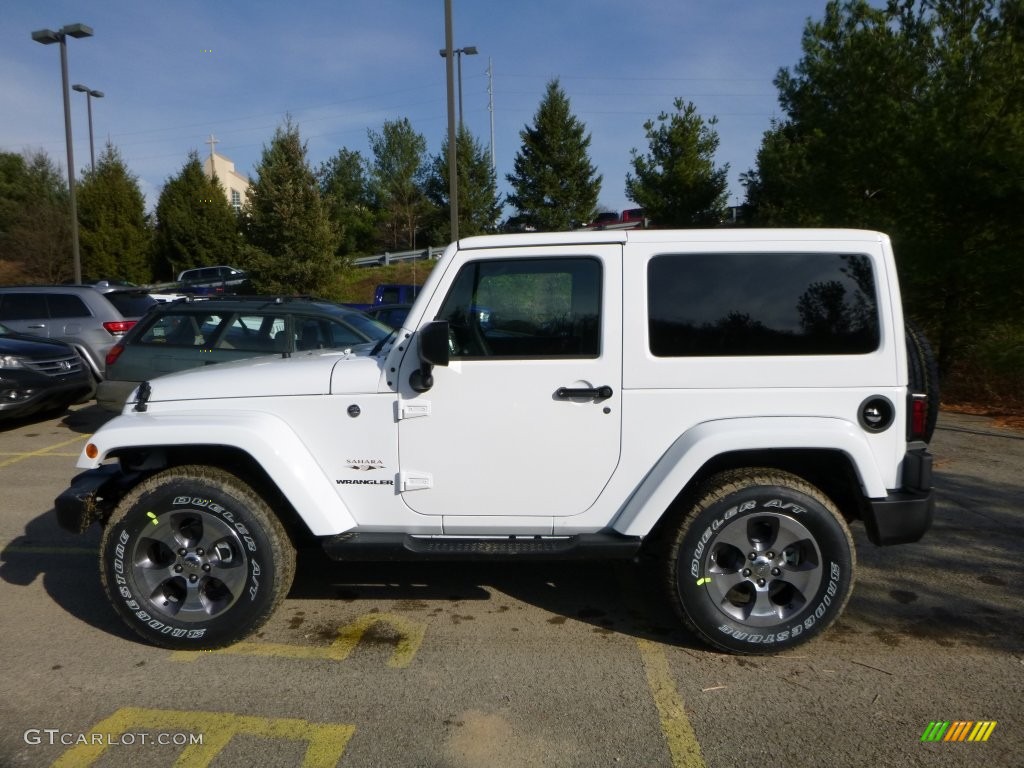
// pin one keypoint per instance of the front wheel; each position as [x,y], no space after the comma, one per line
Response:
[193,558]
[761,562]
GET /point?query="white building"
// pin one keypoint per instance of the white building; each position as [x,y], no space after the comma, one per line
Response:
[236,186]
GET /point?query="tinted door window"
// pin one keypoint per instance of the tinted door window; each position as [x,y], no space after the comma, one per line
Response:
[761,304]
[525,308]
[23,306]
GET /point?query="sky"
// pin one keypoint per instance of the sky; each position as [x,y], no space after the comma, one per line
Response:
[175,73]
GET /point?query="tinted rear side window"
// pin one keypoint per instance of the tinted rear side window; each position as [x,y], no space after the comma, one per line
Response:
[131,304]
[729,304]
[67,305]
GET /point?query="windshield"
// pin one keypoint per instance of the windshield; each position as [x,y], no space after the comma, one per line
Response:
[366,325]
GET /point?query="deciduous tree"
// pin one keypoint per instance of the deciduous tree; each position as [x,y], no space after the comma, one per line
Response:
[398,173]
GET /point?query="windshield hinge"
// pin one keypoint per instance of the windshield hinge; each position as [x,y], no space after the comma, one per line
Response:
[415,481]
[410,409]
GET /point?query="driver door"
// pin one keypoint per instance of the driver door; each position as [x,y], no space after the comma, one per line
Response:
[524,422]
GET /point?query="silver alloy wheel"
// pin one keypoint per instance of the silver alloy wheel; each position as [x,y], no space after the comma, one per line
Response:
[763,568]
[190,564]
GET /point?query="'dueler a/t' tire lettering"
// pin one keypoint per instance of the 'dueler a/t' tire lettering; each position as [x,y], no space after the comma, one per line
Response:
[192,558]
[761,561]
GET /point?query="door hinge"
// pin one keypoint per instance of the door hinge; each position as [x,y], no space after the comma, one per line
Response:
[415,481]
[410,409]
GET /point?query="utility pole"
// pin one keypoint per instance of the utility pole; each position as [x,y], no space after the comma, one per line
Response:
[490,107]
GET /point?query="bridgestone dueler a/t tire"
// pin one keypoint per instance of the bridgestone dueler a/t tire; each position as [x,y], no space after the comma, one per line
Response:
[761,562]
[194,559]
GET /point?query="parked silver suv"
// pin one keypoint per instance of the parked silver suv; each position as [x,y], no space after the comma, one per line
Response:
[80,315]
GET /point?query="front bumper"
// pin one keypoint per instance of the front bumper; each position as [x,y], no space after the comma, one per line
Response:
[905,515]
[92,496]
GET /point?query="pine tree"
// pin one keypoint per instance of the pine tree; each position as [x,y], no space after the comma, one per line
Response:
[676,182]
[285,221]
[114,235]
[555,186]
[195,224]
[479,201]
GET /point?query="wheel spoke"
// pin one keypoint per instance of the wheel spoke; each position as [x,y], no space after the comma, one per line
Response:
[721,584]
[789,533]
[764,607]
[804,582]
[734,535]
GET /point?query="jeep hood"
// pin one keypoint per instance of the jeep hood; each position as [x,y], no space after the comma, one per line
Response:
[304,373]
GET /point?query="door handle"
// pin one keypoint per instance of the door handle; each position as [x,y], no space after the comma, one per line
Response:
[598,393]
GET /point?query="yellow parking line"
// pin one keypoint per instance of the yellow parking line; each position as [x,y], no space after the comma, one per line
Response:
[410,637]
[682,741]
[42,451]
[326,741]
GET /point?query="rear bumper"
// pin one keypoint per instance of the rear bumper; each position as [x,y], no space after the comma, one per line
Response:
[904,515]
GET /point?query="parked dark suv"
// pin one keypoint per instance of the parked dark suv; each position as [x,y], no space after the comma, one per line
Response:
[198,331]
[38,375]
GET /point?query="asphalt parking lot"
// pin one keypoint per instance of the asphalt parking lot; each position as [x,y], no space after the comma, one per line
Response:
[518,665]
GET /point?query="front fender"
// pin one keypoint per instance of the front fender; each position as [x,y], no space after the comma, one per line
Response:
[697,446]
[265,437]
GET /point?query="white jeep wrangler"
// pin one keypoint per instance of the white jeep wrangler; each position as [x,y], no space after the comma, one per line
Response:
[728,402]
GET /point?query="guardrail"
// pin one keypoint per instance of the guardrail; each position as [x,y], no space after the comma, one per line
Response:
[385,258]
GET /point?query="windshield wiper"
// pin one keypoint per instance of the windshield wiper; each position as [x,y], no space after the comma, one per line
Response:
[380,344]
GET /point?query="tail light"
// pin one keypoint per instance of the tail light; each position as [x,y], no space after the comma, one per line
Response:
[118,327]
[917,418]
[114,353]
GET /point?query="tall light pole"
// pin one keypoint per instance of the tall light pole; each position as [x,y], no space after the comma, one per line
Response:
[453,176]
[46,37]
[89,96]
[469,50]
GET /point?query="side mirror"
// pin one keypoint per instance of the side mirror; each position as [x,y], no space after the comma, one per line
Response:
[433,345]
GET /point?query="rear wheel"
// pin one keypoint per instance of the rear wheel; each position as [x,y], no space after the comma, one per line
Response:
[193,558]
[762,561]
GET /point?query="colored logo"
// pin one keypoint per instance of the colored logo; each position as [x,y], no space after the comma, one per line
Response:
[959,730]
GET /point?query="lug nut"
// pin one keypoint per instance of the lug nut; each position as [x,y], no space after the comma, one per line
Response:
[752,556]
[746,571]
[182,552]
[193,578]
[206,566]
[760,582]
[200,552]
[776,571]
[178,568]
[770,555]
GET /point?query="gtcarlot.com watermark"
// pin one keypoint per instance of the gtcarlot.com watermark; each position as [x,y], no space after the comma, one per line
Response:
[55,736]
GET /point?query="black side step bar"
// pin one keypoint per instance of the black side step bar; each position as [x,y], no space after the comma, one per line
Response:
[368,547]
